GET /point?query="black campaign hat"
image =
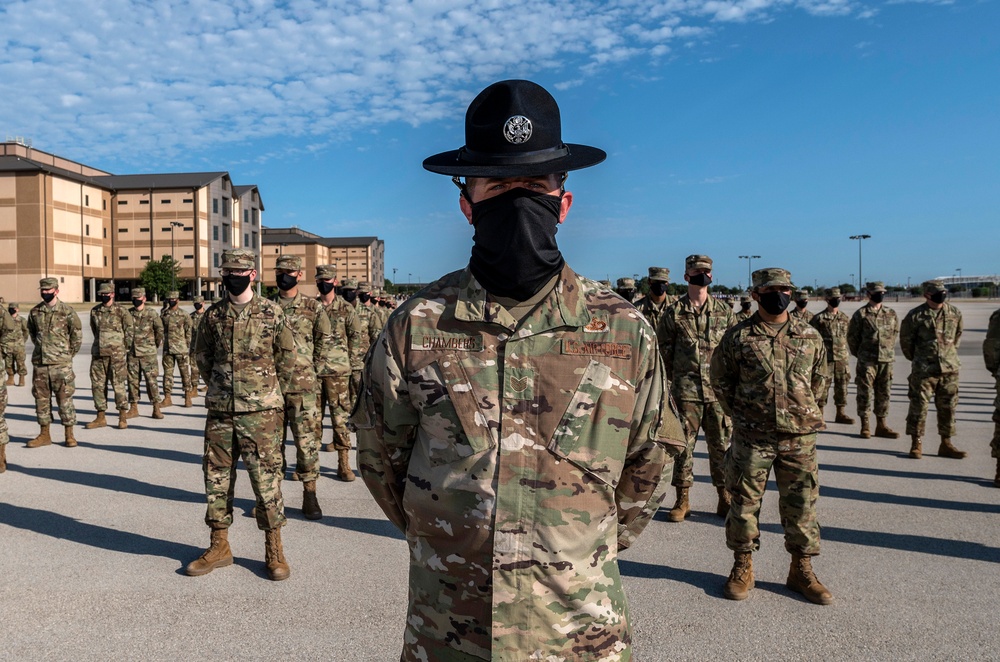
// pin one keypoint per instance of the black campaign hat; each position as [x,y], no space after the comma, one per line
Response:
[512,129]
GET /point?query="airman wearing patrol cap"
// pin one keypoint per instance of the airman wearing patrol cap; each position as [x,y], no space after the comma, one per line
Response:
[14,352]
[871,337]
[196,316]
[746,309]
[653,304]
[177,332]
[349,291]
[112,328]
[10,335]
[56,331]
[775,421]
[625,287]
[801,299]
[147,336]
[832,326]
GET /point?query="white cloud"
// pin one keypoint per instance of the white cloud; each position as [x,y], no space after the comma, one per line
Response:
[165,74]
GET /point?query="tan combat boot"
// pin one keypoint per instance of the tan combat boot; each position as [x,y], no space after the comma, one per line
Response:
[3,458]
[166,401]
[344,471]
[274,556]
[916,447]
[43,438]
[866,432]
[946,449]
[133,410]
[156,411]
[20,380]
[10,379]
[740,581]
[724,501]
[884,431]
[328,448]
[70,439]
[99,422]
[682,507]
[122,420]
[218,555]
[187,398]
[310,505]
[801,579]
[842,417]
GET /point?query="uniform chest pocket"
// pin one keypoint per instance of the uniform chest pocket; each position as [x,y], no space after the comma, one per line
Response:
[756,361]
[456,421]
[594,431]
[800,359]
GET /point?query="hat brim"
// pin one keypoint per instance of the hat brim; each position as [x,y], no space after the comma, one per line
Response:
[236,265]
[775,283]
[452,163]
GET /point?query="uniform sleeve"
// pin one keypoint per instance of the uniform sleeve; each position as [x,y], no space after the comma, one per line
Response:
[32,328]
[188,328]
[10,331]
[725,372]
[854,333]
[24,329]
[93,322]
[284,352]
[203,354]
[907,331]
[386,421]
[666,330]
[958,328]
[820,371]
[75,332]
[991,346]
[128,328]
[323,342]
[157,330]
[354,341]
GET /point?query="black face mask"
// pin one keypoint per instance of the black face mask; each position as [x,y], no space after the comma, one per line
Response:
[324,287]
[515,252]
[745,306]
[236,285]
[701,280]
[876,297]
[286,282]
[172,302]
[834,303]
[104,298]
[939,297]
[137,302]
[801,304]
[197,306]
[349,295]
[47,297]
[627,294]
[774,303]
[656,288]
[12,311]
[364,297]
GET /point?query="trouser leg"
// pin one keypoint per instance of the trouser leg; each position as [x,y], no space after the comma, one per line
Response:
[797,474]
[748,464]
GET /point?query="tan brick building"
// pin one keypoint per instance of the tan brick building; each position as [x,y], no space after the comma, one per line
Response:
[356,257]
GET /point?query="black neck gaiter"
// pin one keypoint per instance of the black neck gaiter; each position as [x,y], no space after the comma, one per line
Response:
[515,252]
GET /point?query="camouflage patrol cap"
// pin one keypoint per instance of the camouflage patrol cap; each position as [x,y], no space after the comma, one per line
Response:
[48,283]
[105,288]
[932,286]
[626,283]
[138,292]
[771,276]
[659,273]
[697,262]
[173,294]
[240,259]
[198,299]
[350,284]
[364,286]
[604,283]
[875,286]
[326,272]
[801,295]
[832,293]
[745,298]
[290,262]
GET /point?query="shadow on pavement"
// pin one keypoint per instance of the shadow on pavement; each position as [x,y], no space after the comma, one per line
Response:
[902,500]
[110,482]
[375,527]
[147,451]
[893,473]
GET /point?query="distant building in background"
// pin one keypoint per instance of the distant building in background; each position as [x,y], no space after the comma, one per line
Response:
[356,257]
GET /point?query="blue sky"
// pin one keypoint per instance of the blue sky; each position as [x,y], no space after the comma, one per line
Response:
[768,127]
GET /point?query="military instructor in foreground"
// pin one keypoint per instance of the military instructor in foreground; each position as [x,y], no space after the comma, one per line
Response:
[510,415]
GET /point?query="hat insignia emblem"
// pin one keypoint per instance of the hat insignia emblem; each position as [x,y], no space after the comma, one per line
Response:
[517,130]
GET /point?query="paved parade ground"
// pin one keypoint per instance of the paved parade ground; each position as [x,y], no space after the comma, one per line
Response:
[94,541]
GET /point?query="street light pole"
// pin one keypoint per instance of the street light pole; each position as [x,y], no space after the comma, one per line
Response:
[860,238]
[173,260]
[749,259]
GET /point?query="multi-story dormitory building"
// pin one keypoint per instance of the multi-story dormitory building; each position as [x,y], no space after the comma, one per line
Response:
[356,257]
[83,225]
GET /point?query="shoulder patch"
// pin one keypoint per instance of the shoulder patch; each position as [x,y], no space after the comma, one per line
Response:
[596,325]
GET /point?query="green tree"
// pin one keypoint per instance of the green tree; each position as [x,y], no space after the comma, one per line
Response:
[159,276]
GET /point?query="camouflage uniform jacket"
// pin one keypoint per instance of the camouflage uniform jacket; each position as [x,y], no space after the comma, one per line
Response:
[176,331]
[832,325]
[518,458]
[345,351]
[652,310]
[147,331]
[112,327]
[802,314]
[24,327]
[196,318]
[364,314]
[376,322]
[313,336]
[871,334]
[930,339]
[247,357]
[687,338]
[56,332]
[10,333]
[740,316]
[768,383]
[991,346]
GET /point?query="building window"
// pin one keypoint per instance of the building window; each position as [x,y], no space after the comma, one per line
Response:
[121,230]
[187,229]
[187,201]
[225,206]
[246,215]
[215,259]
[122,202]
[246,239]
[105,260]
[105,231]
[86,229]
[143,229]
[164,202]
[189,257]
[254,240]
[166,229]
[143,257]
[88,259]
[225,233]
[86,201]
[256,216]
[123,258]
[215,232]
[144,202]
[104,205]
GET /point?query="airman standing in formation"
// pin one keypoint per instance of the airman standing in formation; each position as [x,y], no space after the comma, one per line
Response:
[991,356]
[112,327]
[147,335]
[10,332]
[832,326]
[335,376]
[349,292]
[929,337]
[871,337]
[176,349]
[310,328]
[745,311]
[767,373]
[14,352]
[247,355]
[196,316]
[688,333]
[56,331]
[625,288]
[801,301]
[653,304]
